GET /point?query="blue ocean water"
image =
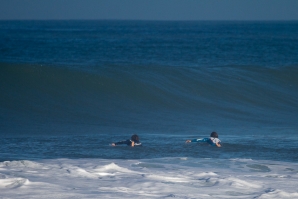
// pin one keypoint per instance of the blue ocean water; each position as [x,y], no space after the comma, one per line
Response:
[69,88]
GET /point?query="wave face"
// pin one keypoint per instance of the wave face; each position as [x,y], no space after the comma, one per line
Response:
[167,81]
[146,96]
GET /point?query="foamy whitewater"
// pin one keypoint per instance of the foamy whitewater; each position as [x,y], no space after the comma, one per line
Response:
[151,178]
[71,88]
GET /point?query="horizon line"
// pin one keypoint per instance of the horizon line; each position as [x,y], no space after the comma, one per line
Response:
[165,20]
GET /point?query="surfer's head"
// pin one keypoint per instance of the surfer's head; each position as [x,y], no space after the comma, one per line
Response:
[214,135]
[135,138]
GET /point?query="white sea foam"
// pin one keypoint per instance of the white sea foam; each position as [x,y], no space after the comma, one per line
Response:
[150,178]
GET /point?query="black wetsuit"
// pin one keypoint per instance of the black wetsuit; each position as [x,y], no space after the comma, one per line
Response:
[128,143]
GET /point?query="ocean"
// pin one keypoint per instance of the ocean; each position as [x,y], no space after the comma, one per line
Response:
[71,88]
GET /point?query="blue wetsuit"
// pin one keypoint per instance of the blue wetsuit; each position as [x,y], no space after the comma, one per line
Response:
[128,143]
[212,141]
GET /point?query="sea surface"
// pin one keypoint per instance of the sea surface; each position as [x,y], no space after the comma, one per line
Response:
[71,88]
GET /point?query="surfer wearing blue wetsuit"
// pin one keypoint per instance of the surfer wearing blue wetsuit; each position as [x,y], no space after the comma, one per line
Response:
[213,140]
[134,141]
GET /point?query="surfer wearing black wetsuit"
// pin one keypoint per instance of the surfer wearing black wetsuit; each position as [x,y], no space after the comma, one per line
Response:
[134,141]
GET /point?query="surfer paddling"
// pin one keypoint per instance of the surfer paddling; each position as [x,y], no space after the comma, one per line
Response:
[134,141]
[213,140]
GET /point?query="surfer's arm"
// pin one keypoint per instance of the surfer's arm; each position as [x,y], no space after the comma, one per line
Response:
[218,144]
[127,142]
[193,140]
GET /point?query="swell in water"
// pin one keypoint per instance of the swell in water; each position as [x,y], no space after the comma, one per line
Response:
[146,96]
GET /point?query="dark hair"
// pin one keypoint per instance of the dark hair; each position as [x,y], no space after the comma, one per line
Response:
[135,138]
[214,135]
